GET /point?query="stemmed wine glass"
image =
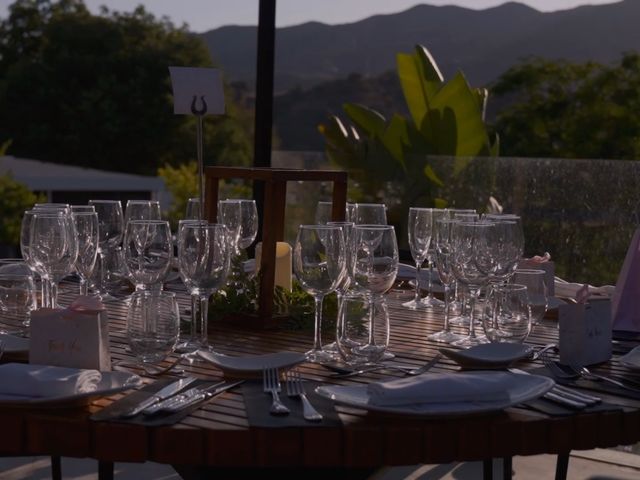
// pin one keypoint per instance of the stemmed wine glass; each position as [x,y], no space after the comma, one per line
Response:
[419,231]
[248,223]
[473,260]
[86,224]
[375,265]
[203,257]
[443,247]
[193,209]
[53,248]
[141,210]
[370,214]
[148,250]
[319,263]
[430,300]
[110,229]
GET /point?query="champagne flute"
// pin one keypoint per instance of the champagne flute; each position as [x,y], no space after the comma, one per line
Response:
[203,258]
[443,246]
[111,229]
[319,264]
[86,224]
[419,232]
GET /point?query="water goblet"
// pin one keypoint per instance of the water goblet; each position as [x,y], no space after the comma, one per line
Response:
[152,325]
[17,299]
[319,264]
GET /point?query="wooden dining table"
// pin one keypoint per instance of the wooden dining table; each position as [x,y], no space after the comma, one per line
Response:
[218,436]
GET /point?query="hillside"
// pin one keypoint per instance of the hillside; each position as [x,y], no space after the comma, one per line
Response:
[483,43]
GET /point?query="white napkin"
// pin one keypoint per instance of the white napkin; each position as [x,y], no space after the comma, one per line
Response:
[27,380]
[444,388]
[565,289]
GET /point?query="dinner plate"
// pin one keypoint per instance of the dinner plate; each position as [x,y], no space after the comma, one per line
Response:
[110,383]
[522,389]
[631,359]
[488,355]
[252,365]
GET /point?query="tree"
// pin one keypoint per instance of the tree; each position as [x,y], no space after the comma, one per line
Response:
[567,110]
[94,90]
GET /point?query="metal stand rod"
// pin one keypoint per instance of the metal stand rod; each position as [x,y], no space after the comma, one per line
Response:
[199,150]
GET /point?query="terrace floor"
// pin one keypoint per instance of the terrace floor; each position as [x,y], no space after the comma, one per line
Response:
[596,464]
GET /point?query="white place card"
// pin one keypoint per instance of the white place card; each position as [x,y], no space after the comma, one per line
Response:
[585,332]
[197,87]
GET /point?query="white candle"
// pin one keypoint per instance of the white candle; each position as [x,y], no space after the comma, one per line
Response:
[283,263]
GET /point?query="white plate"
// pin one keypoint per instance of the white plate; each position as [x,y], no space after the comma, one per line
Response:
[488,355]
[110,383]
[522,390]
[252,365]
[13,344]
[631,359]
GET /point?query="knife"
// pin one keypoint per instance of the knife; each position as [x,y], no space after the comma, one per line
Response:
[161,394]
[190,397]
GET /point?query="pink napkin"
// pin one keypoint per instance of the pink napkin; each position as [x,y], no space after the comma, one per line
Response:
[626,298]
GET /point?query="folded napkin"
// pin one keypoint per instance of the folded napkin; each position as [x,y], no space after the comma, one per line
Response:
[26,380]
[570,290]
[473,387]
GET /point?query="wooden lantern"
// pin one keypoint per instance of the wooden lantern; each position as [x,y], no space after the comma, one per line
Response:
[274,202]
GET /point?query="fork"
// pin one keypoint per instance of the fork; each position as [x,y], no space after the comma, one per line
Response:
[271,384]
[296,389]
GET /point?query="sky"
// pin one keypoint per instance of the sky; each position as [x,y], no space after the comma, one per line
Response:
[203,15]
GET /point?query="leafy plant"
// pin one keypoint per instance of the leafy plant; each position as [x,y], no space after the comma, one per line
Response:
[15,198]
[388,157]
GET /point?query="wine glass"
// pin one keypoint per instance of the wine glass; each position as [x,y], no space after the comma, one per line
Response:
[248,224]
[473,258]
[375,265]
[203,257]
[193,209]
[370,214]
[148,250]
[319,264]
[152,325]
[419,232]
[82,208]
[443,246]
[324,212]
[141,210]
[230,214]
[110,229]
[86,224]
[53,248]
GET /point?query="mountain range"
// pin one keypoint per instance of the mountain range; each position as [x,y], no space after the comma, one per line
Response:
[481,43]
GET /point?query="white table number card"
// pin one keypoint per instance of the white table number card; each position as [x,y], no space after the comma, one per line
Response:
[197,91]
[585,332]
[76,337]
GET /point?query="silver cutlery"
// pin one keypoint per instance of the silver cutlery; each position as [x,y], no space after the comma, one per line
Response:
[295,388]
[569,372]
[408,370]
[565,395]
[271,385]
[536,354]
[190,397]
[165,392]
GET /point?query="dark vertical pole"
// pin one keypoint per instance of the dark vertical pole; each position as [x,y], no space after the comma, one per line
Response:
[264,96]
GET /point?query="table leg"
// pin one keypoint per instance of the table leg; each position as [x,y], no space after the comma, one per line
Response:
[105,470]
[562,466]
[56,468]
[487,469]
[507,468]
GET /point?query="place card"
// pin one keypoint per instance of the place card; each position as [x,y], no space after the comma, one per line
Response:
[585,332]
[76,337]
